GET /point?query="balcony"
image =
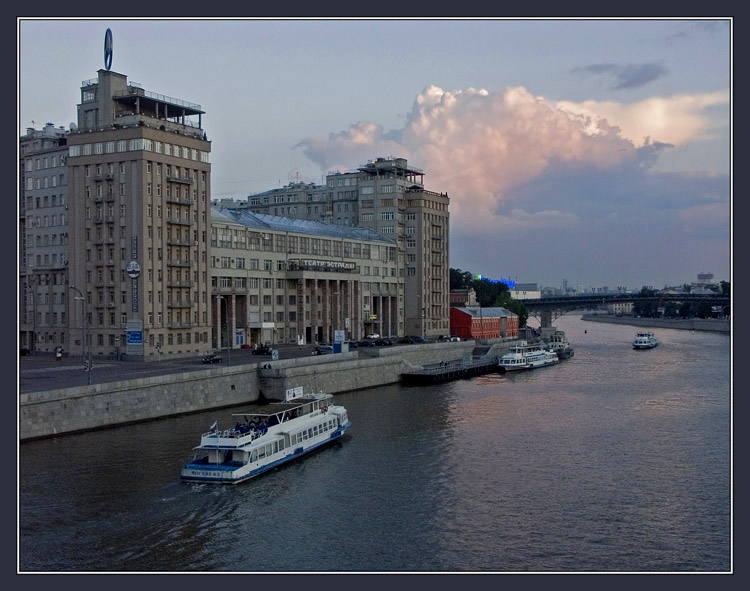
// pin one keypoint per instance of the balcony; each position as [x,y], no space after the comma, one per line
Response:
[179,283]
[179,200]
[180,304]
[185,180]
[174,219]
[179,242]
[179,324]
[179,262]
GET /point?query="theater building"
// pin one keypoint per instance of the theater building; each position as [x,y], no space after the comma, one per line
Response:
[281,280]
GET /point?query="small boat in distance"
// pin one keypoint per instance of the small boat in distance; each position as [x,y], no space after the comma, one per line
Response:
[645,340]
[267,436]
[560,345]
[527,356]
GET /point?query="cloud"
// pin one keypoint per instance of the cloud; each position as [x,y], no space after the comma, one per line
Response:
[626,76]
[674,120]
[517,165]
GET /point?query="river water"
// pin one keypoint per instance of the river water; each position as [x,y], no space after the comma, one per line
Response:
[615,460]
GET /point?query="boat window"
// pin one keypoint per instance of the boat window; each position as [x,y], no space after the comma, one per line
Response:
[275,446]
[315,430]
[281,445]
[309,433]
[255,456]
[262,453]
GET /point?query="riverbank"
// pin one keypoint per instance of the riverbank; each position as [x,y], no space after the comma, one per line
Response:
[83,408]
[702,324]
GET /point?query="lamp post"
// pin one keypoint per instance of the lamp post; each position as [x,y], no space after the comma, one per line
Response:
[31,287]
[229,340]
[85,347]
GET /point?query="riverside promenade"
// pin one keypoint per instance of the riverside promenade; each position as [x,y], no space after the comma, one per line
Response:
[703,324]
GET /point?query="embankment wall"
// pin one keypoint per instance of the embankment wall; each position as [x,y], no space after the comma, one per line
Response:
[70,410]
[706,324]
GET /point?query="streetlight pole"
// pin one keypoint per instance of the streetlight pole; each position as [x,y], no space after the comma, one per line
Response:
[229,340]
[84,322]
[31,287]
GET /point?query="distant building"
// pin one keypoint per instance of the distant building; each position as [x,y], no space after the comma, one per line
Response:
[620,308]
[483,323]
[386,195]
[463,297]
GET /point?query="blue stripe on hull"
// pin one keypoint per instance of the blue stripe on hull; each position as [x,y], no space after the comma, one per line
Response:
[258,471]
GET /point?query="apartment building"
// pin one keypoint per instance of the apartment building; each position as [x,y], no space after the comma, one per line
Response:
[43,239]
[282,280]
[138,180]
[387,196]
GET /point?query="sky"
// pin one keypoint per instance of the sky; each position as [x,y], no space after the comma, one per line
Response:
[592,151]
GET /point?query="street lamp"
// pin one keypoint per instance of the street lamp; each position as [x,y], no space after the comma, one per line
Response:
[31,288]
[86,351]
[229,340]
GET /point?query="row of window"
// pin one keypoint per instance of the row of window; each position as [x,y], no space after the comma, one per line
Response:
[138,144]
[44,182]
[45,162]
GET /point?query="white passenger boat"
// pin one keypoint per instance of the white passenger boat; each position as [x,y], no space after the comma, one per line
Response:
[645,340]
[265,437]
[560,345]
[527,356]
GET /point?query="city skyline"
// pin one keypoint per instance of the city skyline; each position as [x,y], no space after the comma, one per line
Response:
[540,145]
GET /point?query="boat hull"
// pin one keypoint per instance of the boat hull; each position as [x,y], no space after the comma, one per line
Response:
[234,474]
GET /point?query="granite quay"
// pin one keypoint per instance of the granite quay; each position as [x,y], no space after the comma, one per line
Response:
[82,408]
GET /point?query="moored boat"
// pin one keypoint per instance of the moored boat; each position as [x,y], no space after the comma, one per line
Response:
[265,437]
[524,355]
[560,345]
[645,340]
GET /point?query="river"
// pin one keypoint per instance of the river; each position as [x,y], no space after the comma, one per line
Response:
[613,461]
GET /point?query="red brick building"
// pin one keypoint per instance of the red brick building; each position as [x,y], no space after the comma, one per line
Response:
[483,323]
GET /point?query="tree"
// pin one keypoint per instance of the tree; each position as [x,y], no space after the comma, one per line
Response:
[460,279]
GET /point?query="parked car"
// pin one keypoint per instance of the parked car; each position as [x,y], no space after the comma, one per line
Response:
[383,342]
[352,344]
[212,359]
[373,336]
[25,351]
[417,340]
[322,350]
[406,340]
[444,338]
[262,350]
[367,343]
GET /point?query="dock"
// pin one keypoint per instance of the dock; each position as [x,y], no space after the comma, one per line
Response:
[451,370]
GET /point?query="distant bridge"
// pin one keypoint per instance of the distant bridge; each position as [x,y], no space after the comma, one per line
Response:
[550,308]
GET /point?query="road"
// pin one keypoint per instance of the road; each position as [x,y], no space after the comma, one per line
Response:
[43,372]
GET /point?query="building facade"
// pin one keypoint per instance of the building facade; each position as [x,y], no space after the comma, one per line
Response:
[139,212]
[387,196]
[483,323]
[43,239]
[281,280]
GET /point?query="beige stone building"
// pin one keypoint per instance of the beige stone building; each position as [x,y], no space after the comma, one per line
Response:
[139,213]
[388,196]
[281,280]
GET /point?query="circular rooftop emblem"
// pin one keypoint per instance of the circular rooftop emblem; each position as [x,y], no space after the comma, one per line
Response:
[108,49]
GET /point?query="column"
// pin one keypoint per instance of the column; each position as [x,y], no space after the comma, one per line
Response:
[233,328]
[326,309]
[314,309]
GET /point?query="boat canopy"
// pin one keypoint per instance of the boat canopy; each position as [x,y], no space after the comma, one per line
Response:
[278,408]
